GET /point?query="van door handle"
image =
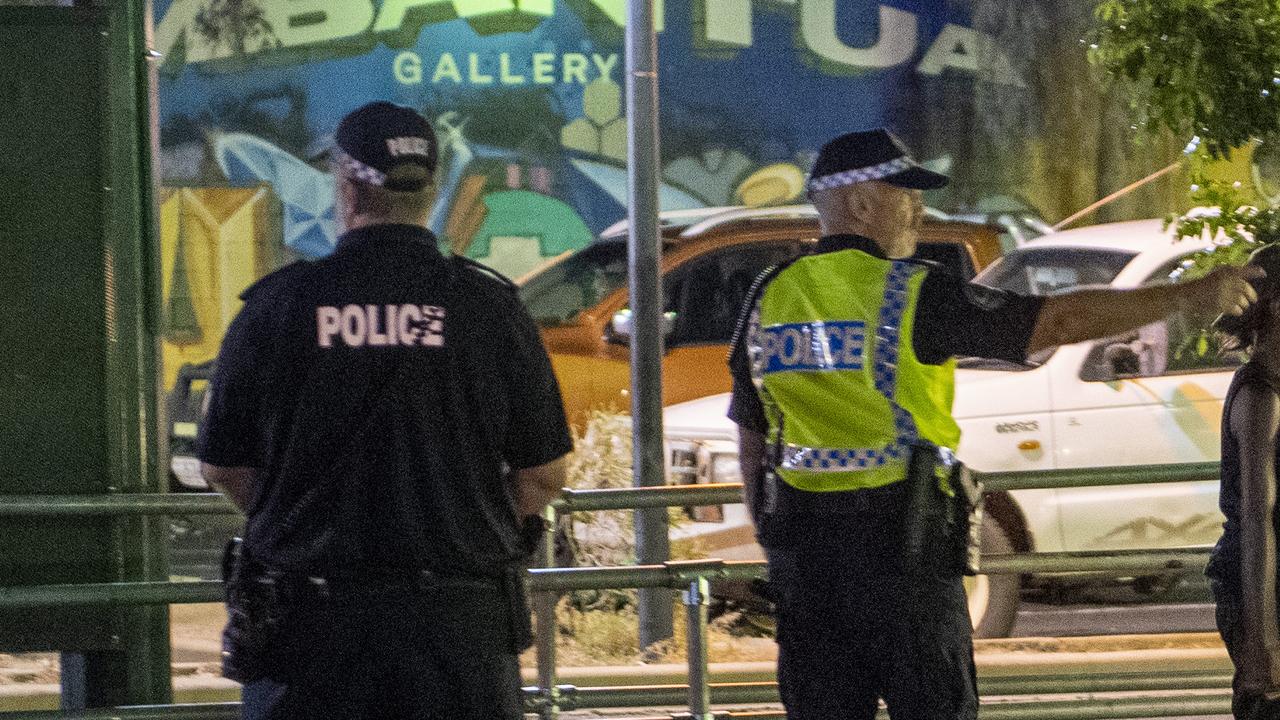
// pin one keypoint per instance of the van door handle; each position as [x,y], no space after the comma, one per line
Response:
[1029,445]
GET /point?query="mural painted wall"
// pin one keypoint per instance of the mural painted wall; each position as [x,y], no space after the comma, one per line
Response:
[526,96]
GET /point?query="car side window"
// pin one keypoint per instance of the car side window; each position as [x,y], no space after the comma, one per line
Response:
[707,293]
[1178,344]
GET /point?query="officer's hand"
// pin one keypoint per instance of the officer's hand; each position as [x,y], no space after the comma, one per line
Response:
[531,531]
[1227,289]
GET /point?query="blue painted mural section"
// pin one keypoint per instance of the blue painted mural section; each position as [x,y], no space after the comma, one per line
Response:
[527,97]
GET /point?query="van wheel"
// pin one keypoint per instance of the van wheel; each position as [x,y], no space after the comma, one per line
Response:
[993,599]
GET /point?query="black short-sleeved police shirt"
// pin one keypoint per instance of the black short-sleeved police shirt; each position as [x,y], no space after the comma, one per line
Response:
[383,393]
[953,318]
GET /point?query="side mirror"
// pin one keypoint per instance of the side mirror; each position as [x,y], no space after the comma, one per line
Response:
[622,326]
[1122,360]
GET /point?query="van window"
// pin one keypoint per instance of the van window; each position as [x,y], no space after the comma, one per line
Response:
[1192,346]
[560,293]
[707,294]
[1175,345]
[1051,270]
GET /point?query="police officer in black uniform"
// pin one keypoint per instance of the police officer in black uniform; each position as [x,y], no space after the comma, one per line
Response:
[860,616]
[389,423]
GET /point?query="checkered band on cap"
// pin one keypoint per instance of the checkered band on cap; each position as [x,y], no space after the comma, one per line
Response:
[860,175]
[360,172]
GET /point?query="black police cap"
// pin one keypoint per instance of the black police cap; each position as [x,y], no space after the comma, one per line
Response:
[376,139]
[870,155]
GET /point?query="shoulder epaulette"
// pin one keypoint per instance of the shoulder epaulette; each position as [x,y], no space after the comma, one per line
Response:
[274,277]
[483,269]
[929,264]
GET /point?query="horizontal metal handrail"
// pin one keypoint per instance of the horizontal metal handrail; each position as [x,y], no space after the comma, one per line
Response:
[1154,561]
[578,500]
[118,594]
[742,693]
[184,711]
[1089,707]
[676,574]
[668,575]
[130,504]
[1098,476]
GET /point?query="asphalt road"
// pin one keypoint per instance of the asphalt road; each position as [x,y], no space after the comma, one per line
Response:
[1185,607]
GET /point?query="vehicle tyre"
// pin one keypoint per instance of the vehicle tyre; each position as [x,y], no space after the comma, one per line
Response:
[993,599]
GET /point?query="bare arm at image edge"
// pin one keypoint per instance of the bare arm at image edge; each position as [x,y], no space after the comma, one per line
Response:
[539,485]
[751,464]
[1255,420]
[236,483]
[1087,314]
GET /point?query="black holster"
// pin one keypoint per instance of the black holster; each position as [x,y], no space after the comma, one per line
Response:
[517,595]
[256,609]
[944,503]
[966,520]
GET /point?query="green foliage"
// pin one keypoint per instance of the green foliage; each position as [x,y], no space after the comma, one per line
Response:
[1208,68]
[1239,228]
[1224,214]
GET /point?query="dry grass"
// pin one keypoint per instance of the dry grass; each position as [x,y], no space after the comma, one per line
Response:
[604,637]
[600,627]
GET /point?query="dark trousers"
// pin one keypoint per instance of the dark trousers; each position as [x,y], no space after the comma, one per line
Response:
[1245,705]
[426,654]
[855,627]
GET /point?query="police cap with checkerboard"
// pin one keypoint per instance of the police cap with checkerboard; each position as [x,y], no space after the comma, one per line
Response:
[376,141]
[868,155]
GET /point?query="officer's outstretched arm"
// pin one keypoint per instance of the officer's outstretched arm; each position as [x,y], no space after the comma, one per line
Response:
[751,463]
[234,482]
[539,485]
[1087,314]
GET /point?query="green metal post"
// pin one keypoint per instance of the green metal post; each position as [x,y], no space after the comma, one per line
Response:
[77,351]
[696,599]
[545,612]
[137,669]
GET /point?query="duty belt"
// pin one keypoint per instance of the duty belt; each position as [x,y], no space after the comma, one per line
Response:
[421,580]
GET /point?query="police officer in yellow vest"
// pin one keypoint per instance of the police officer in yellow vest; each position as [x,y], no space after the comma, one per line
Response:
[843,377]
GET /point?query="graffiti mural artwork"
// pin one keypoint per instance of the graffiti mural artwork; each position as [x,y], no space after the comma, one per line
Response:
[527,99]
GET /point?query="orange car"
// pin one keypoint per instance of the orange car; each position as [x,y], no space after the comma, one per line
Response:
[709,260]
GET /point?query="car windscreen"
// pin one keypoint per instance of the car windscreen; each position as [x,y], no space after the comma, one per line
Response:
[1051,270]
[563,291]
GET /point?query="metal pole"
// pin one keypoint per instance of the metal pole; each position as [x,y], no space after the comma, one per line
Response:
[644,264]
[696,599]
[137,668]
[545,612]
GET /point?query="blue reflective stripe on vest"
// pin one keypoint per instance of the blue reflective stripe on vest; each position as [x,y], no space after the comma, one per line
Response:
[814,346]
[886,365]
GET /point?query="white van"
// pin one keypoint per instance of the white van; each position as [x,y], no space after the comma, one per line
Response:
[1149,397]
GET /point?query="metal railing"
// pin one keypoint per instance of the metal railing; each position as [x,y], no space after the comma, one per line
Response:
[1197,693]
[693,577]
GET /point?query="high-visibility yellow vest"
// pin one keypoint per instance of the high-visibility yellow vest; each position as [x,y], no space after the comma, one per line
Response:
[829,342]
